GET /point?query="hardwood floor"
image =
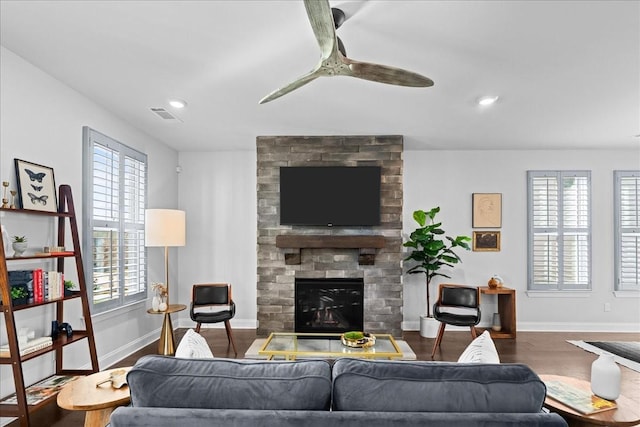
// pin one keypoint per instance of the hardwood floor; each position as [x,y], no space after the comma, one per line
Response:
[544,352]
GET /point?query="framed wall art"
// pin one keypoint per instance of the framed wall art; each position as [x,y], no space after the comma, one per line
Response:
[486,241]
[36,186]
[487,210]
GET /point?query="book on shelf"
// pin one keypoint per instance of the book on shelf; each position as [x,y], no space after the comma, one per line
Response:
[29,347]
[42,390]
[577,398]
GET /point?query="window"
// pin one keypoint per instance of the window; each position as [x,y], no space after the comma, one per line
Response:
[115,188]
[559,224]
[627,229]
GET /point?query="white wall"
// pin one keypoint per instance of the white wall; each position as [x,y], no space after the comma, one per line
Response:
[41,121]
[218,193]
[448,178]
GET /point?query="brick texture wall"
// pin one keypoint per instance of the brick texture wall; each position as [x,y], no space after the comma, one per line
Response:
[382,280]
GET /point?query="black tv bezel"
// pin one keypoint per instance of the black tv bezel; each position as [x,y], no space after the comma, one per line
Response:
[378,208]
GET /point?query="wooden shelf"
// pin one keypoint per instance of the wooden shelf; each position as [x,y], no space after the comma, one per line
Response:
[65,218]
[366,245]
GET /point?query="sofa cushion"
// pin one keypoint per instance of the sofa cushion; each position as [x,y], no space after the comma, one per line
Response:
[193,346]
[161,381]
[481,350]
[376,385]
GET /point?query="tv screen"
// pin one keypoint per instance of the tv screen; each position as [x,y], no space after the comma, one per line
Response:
[330,196]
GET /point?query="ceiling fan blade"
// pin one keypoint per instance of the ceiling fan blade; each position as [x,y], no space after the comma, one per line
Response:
[321,19]
[301,81]
[386,74]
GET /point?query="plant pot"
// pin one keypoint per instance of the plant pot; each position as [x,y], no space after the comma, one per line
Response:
[19,301]
[428,327]
[19,248]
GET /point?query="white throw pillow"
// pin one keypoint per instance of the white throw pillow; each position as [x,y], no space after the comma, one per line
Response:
[193,346]
[481,350]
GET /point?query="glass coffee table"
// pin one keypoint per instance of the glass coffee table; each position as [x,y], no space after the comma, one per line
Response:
[291,345]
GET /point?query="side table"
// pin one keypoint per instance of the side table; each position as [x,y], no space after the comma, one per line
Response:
[167,343]
[506,310]
[626,414]
[83,394]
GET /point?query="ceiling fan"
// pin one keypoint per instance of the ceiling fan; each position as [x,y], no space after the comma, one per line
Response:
[334,61]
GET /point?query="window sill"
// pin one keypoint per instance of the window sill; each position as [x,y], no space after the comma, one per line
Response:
[626,294]
[118,311]
[580,293]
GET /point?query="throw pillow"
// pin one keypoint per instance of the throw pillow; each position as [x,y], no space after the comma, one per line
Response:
[193,346]
[481,350]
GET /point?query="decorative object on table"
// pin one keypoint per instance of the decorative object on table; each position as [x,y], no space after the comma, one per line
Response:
[495,282]
[69,287]
[358,339]
[431,251]
[487,210]
[496,325]
[159,301]
[605,377]
[165,228]
[13,199]
[5,238]
[19,294]
[577,398]
[19,245]
[36,186]
[5,201]
[117,378]
[486,241]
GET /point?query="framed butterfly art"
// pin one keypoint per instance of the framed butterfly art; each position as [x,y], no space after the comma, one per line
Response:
[36,186]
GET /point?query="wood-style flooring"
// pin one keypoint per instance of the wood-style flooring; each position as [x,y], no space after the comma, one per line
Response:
[544,352]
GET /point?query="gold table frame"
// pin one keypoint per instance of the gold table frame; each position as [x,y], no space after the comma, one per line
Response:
[291,345]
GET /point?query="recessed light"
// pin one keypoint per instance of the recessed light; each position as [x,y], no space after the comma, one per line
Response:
[487,100]
[177,103]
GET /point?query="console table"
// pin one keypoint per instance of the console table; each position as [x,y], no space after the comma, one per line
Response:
[506,310]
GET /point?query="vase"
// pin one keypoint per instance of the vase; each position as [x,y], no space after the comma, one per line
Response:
[19,248]
[428,327]
[155,303]
[496,325]
[605,377]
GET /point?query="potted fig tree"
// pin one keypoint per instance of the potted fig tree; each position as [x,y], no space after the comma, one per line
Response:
[431,250]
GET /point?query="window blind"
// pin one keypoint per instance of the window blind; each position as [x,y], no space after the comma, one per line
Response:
[627,212]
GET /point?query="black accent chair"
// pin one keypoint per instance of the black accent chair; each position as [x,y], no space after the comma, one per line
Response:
[457,305]
[211,295]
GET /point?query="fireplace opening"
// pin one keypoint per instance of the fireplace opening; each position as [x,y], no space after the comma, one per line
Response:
[329,305]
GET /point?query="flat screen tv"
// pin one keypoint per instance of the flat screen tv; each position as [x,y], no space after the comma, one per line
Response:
[330,196]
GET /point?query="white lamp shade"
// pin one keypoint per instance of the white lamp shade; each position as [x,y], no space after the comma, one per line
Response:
[164,227]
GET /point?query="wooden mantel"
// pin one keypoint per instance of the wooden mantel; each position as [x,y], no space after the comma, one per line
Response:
[367,245]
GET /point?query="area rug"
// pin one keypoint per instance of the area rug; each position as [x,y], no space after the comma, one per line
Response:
[252,351]
[626,353]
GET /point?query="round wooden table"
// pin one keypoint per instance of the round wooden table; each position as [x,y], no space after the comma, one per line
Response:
[626,414]
[167,343]
[83,394]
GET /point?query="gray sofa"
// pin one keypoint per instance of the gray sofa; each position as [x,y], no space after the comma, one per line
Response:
[168,391]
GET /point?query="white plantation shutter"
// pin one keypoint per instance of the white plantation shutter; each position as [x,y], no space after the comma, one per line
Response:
[115,195]
[559,230]
[627,223]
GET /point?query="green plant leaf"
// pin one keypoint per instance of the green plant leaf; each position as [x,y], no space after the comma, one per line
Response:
[420,216]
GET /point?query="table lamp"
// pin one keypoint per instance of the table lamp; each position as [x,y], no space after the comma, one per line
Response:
[164,227]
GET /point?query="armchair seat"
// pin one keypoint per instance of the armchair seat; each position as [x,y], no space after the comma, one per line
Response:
[212,317]
[459,319]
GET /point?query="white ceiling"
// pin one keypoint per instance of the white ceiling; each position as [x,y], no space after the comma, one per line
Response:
[567,72]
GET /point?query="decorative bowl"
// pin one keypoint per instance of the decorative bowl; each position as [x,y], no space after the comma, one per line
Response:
[356,339]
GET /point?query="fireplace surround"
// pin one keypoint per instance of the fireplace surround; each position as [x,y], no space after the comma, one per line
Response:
[378,264]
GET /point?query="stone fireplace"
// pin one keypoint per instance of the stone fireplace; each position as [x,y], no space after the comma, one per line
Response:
[373,255]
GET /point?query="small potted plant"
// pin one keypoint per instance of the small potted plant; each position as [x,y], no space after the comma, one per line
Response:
[18,295]
[68,288]
[19,245]
[431,251]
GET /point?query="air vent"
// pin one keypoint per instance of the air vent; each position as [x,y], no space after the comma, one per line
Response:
[164,114]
